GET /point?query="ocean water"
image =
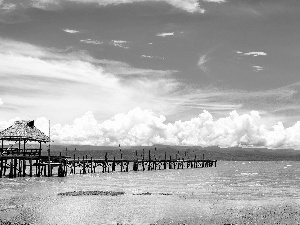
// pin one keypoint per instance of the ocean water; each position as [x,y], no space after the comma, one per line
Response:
[231,193]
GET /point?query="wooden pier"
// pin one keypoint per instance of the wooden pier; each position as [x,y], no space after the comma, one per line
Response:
[19,159]
[13,166]
[86,165]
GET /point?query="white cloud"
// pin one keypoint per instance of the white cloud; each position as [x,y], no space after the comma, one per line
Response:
[147,56]
[143,127]
[90,41]
[152,57]
[1,102]
[8,7]
[191,6]
[201,63]
[119,43]
[239,52]
[71,31]
[165,34]
[257,68]
[77,79]
[215,1]
[255,53]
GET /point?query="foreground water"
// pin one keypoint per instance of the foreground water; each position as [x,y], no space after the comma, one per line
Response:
[233,192]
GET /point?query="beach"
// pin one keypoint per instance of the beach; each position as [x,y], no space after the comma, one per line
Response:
[231,193]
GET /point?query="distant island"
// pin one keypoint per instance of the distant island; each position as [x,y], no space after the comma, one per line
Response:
[214,152]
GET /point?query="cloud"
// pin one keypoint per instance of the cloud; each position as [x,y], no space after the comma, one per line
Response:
[119,43]
[257,68]
[90,41]
[201,63]
[255,53]
[1,102]
[191,6]
[165,34]
[144,127]
[77,79]
[215,1]
[8,7]
[152,57]
[71,31]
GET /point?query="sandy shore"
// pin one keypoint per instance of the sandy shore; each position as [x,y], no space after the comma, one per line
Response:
[283,213]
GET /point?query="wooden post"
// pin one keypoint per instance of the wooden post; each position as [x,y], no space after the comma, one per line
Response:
[2,146]
[79,165]
[149,158]
[83,163]
[15,167]
[74,166]
[39,168]
[19,150]
[92,165]
[45,171]
[66,167]
[170,164]
[24,167]
[30,166]
[113,167]
[106,161]
[11,173]
[165,164]
[1,167]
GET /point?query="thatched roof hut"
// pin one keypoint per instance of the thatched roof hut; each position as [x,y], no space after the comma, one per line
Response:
[23,130]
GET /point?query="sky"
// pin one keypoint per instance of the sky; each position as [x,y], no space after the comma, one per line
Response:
[145,72]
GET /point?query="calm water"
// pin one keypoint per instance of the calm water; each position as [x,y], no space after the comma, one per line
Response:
[196,195]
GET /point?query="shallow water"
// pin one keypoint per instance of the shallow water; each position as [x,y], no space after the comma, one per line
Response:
[204,195]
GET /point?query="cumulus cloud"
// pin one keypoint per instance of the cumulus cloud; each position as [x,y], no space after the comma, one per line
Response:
[71,31]
[1,102]
[201,63]
[143,127]
[255,53]
[90,41]
[165,34]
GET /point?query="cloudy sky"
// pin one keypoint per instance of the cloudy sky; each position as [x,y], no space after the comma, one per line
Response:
[143,72]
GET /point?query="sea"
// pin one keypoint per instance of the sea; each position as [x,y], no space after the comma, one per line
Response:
[234,192]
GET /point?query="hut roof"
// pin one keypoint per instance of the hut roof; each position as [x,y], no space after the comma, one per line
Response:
[24,130]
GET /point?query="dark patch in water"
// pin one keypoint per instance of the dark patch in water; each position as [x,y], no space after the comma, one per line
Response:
[148,193]
[80,193]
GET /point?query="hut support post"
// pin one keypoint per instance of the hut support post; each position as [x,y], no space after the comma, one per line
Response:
[24,148]
[1,167]
[2,147]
